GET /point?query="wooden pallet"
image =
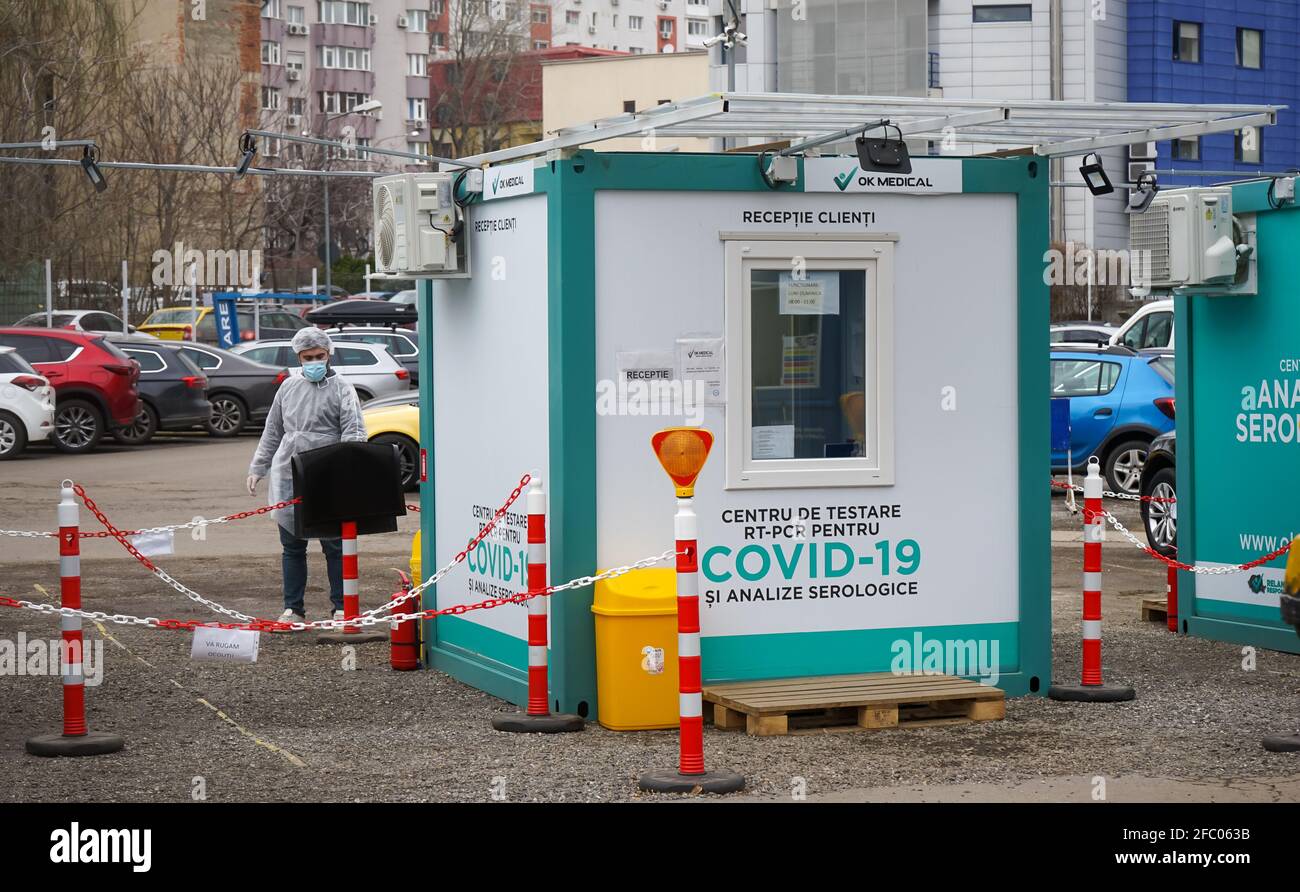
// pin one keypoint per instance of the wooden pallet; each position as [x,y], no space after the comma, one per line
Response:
[833,703]
[1155,610]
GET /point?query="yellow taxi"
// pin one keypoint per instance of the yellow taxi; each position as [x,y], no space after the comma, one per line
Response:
[180,323]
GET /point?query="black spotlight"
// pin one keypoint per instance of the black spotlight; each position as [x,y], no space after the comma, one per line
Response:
[89,159]
[1139,198]
[1094,175]
[884,154]
[248,146]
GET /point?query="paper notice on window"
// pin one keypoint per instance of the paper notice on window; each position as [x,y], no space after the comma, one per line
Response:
[811,293]
[773,441]
[700,359]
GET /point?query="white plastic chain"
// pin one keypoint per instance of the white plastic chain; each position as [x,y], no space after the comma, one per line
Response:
[197,522]
[369,618]
[1138,543]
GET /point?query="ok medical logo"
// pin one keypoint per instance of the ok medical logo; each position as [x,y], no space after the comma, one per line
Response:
[509,180]
[929,176]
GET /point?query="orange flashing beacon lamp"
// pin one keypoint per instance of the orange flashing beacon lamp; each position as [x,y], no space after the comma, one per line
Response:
[682,451]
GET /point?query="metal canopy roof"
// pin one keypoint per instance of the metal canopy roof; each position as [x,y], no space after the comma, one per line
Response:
[1051,127]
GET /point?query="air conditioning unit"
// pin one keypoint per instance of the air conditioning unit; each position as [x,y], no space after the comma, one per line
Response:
[293,74]
[1186,237]
[374,20]
[298,29]
[418,226]
[402,21]
[293,120]
[663,4]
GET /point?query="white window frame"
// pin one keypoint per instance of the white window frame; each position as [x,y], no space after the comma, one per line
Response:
[417,65]
[271,9]
[270,52]
[874,254]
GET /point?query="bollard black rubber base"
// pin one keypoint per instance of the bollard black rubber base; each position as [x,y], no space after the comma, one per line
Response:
[1090,693]
[350,637]
[523,723]
[1282,743]
[670,780]
[92,743]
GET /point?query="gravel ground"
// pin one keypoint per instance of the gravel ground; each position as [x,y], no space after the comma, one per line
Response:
[299,727]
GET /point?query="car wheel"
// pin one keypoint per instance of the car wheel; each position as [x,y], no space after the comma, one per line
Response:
[13,435]
[408,457]
[1160,514]
[78,426]
[1124,466]
[229,416]
[140,431]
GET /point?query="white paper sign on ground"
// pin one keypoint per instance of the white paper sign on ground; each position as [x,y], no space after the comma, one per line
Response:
[154,544]
[212,645]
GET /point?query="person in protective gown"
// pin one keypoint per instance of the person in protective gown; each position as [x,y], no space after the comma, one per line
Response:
[313,409]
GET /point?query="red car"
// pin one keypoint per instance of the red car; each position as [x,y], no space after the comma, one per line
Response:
[94,382]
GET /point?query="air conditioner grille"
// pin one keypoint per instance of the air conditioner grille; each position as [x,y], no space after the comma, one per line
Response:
[386,229]
[1149,238]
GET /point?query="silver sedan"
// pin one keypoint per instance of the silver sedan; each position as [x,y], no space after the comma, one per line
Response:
[369,368]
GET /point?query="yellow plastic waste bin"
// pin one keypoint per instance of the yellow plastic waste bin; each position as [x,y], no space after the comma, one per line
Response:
[636,650]
[415,559]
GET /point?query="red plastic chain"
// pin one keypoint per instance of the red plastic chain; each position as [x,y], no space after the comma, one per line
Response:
[1059,484]
[257,512]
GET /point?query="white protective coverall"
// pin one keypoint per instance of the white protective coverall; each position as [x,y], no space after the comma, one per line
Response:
[305,415]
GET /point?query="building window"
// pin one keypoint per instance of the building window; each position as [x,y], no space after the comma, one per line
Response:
[1187,42]
[270,98]
[697,27]
[270,146]
[636,50]
[347,57]
[666,28]
[593,19]
[1247,147]
[541,15]
[629,106]
[296,16]
[634,22]
[417,108]
[1250,48]
[297,105]
[417,19]
[333,102]
[810,356]
[271,9]
[1003,12]
[540,44]
[415,64]
[571,16]
[343,12]
[270,52]
[1188,148]
[437,8]
[418,148]
[440,40]
[295,61]
[613,22]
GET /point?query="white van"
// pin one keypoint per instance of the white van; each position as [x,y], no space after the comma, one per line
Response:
[1151,326]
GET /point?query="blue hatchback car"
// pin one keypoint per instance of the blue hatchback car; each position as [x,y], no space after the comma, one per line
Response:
[1119,402]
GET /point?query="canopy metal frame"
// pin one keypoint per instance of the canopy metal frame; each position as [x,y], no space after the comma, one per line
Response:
[1050,128]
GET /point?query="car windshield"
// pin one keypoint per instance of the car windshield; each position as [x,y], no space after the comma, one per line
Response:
[172,316]
[190,365]
[109,347]
[1164,366]
[11,362]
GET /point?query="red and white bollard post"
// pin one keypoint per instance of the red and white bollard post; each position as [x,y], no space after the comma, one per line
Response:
[1171,597]
[75,740]
[538,717]
[1091,689]
[690,773]
[351,595]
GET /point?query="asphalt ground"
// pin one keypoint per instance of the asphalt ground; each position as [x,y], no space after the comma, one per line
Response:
[317,723]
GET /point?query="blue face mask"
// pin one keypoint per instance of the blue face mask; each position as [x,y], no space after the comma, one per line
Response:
[314,371]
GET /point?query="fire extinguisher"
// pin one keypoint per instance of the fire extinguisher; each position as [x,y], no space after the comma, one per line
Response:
[404,637]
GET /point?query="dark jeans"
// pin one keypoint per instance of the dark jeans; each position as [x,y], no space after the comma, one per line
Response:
[294,565]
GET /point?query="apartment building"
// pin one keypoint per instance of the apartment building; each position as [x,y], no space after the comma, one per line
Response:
[322,60]
[632,26]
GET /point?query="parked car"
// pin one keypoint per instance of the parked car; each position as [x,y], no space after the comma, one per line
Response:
[178,323]
[240,390]
[1119,402]
[1160,482]
[398,425]
[403,343]
[369,368]
[363,312]
[336,292]
[409,398]
[26,404]
[1068,333]
[1151,326]
[406,297]
[173,390]
[94,382]
[373,295]
[78,320]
